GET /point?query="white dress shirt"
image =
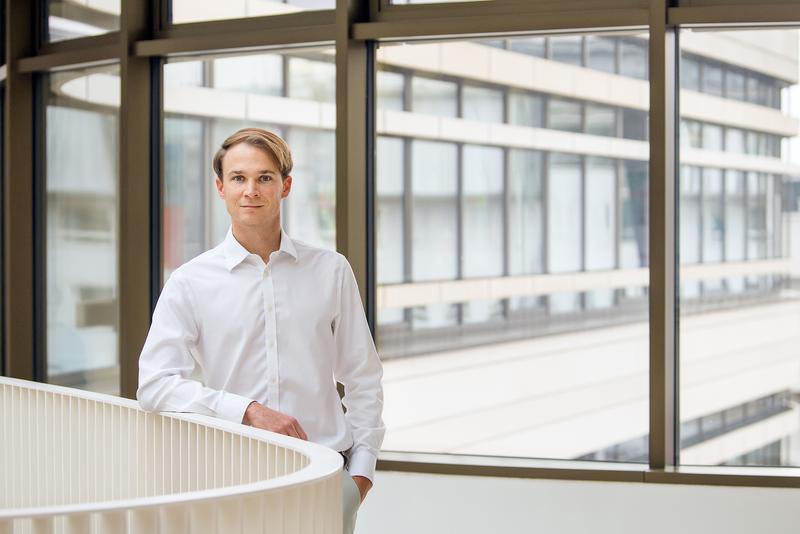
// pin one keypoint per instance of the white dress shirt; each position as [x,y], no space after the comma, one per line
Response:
[280,333]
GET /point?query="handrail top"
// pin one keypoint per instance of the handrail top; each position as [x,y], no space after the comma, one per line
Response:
[324,461]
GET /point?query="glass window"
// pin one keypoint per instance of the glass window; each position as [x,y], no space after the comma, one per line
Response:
[567,49]
[738,335]
[690,73]
[634,124]
[601,214]
[196,121]
[482,205]
[734,216]
[734,140]
[564,198]
[712,137]
[713,216]
[434,97]
[390,224]
[633,246]
[712,79]
[602,53]
[564,115]
[434,231]
[312,79]
[258,74]
[391,90]
[533,46]
[735,85]
[482,104]
[601,120]
[495,234]
[183,11]
[691,133]
[71,20]
[633,59]
[525,212]
[525,109]
[81,175]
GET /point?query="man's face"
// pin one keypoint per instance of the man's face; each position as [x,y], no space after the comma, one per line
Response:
[251,186]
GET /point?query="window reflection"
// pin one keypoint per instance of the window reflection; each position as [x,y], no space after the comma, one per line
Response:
[82,122]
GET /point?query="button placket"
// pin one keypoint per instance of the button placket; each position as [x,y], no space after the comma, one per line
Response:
[270,339]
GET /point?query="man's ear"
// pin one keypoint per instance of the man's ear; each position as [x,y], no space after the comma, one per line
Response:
[220,189]
[287,186]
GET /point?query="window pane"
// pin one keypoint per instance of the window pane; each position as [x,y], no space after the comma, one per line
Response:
[434,97]
[206,100]
[482,104]
[535,46]
[504,214]
[183,11]
[690,73]
[72,19]
[525,109]
[82,124]
[601,210]
[434,218]
[482,238]
[391,90]
[567,49]
[601,53]
[739,363]
[634,59]
[601,120]
[564,115]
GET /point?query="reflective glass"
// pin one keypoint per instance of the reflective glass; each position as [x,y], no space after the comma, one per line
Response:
[183,11]
[72,19]
[567,49]
[492,227]
[208,98]
[739,357]
[434,97]
[82,155]
[633,60]
[601,53]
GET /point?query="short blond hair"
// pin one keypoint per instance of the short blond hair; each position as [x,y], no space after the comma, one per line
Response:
[259,138]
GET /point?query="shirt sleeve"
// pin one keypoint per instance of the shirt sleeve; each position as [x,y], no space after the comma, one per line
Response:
[166,363]
[359,369]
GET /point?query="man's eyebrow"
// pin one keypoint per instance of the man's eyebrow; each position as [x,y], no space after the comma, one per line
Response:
[266,171]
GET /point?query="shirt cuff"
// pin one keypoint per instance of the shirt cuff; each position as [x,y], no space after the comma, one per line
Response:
[231,407]
[362,463]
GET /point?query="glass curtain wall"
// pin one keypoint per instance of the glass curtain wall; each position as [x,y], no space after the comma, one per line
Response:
[208,98]
[81,227]
[72,19]
[739,347]
[494,257]
[183,11]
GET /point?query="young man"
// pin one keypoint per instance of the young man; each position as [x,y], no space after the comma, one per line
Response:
[273,324]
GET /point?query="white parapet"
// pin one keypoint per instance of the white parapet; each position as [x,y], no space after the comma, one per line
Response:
[80,462]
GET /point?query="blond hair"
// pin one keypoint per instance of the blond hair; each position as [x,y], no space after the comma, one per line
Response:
[259,138]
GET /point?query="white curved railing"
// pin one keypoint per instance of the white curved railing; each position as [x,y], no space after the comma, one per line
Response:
[78,462]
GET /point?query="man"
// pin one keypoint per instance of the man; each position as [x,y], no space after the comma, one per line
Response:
[273,324]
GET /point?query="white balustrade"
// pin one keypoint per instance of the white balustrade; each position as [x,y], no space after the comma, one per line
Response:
[76,462]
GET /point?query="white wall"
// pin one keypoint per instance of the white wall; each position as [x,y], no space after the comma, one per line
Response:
[418,503]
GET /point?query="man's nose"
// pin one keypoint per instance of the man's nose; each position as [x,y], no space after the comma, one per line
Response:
[251,189]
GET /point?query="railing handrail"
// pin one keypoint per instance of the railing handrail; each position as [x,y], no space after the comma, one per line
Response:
[323,462]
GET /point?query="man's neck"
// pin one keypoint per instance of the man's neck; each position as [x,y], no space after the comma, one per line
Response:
[261,241]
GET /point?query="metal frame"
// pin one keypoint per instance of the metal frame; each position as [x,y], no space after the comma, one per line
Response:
[354,26]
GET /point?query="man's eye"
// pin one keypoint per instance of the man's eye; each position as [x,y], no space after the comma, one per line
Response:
[265,178]
[238,178]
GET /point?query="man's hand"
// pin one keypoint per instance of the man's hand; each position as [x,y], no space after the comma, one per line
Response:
[260,416]
[363,484]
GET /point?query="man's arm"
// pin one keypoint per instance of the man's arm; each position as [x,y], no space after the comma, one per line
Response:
[166,363]
[359,369]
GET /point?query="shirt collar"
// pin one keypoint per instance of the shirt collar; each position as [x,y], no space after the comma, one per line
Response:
[235,253]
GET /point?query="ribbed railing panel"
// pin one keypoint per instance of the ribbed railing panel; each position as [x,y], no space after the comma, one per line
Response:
[79,462]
